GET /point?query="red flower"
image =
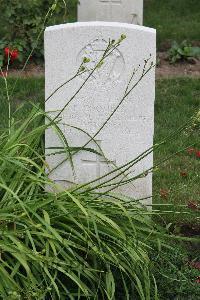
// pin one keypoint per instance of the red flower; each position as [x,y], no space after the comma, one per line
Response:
[190,150]
[195,264]
[3,74]
[183,174]
[197,153]
[198,279]
[7,51]
[13,54]
[193,205]
[164,193]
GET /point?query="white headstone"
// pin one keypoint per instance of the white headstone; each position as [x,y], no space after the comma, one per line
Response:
[125,11]
[129,132]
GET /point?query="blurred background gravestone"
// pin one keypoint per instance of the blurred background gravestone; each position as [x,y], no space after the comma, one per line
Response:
[125,11]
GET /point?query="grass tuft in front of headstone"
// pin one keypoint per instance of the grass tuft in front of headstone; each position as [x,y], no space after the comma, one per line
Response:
[59,245]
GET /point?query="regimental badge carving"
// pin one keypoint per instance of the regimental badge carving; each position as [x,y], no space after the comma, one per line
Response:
[112,67]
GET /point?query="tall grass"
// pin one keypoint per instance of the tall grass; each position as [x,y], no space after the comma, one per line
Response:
[58,245]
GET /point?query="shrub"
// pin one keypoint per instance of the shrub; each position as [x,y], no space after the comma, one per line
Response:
[183,51]
[23,20]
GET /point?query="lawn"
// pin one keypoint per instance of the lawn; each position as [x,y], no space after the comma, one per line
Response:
[173,19]
[177,181]
[26,91]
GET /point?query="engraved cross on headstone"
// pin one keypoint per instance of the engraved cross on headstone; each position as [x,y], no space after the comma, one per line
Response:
[99,162]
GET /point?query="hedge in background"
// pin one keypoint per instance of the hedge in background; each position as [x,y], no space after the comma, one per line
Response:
[21,21]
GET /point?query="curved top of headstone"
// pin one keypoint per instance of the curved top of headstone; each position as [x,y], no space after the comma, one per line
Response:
[101,24]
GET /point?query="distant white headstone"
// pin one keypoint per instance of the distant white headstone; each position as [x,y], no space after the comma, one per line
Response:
[125,11]
[129,131]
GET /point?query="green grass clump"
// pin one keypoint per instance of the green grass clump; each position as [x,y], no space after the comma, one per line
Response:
[67,244]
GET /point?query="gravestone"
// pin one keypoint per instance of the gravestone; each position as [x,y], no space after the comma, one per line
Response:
[129,132]
[125,11]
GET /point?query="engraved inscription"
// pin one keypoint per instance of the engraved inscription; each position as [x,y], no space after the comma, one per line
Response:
[99,162]
[112,67]
[111,1]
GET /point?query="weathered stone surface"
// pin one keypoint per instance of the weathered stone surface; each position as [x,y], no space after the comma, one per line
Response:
[129,131]
[125,11]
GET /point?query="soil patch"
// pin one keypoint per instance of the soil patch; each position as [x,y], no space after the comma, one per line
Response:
[184,68]
[32,70]
[163,70]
